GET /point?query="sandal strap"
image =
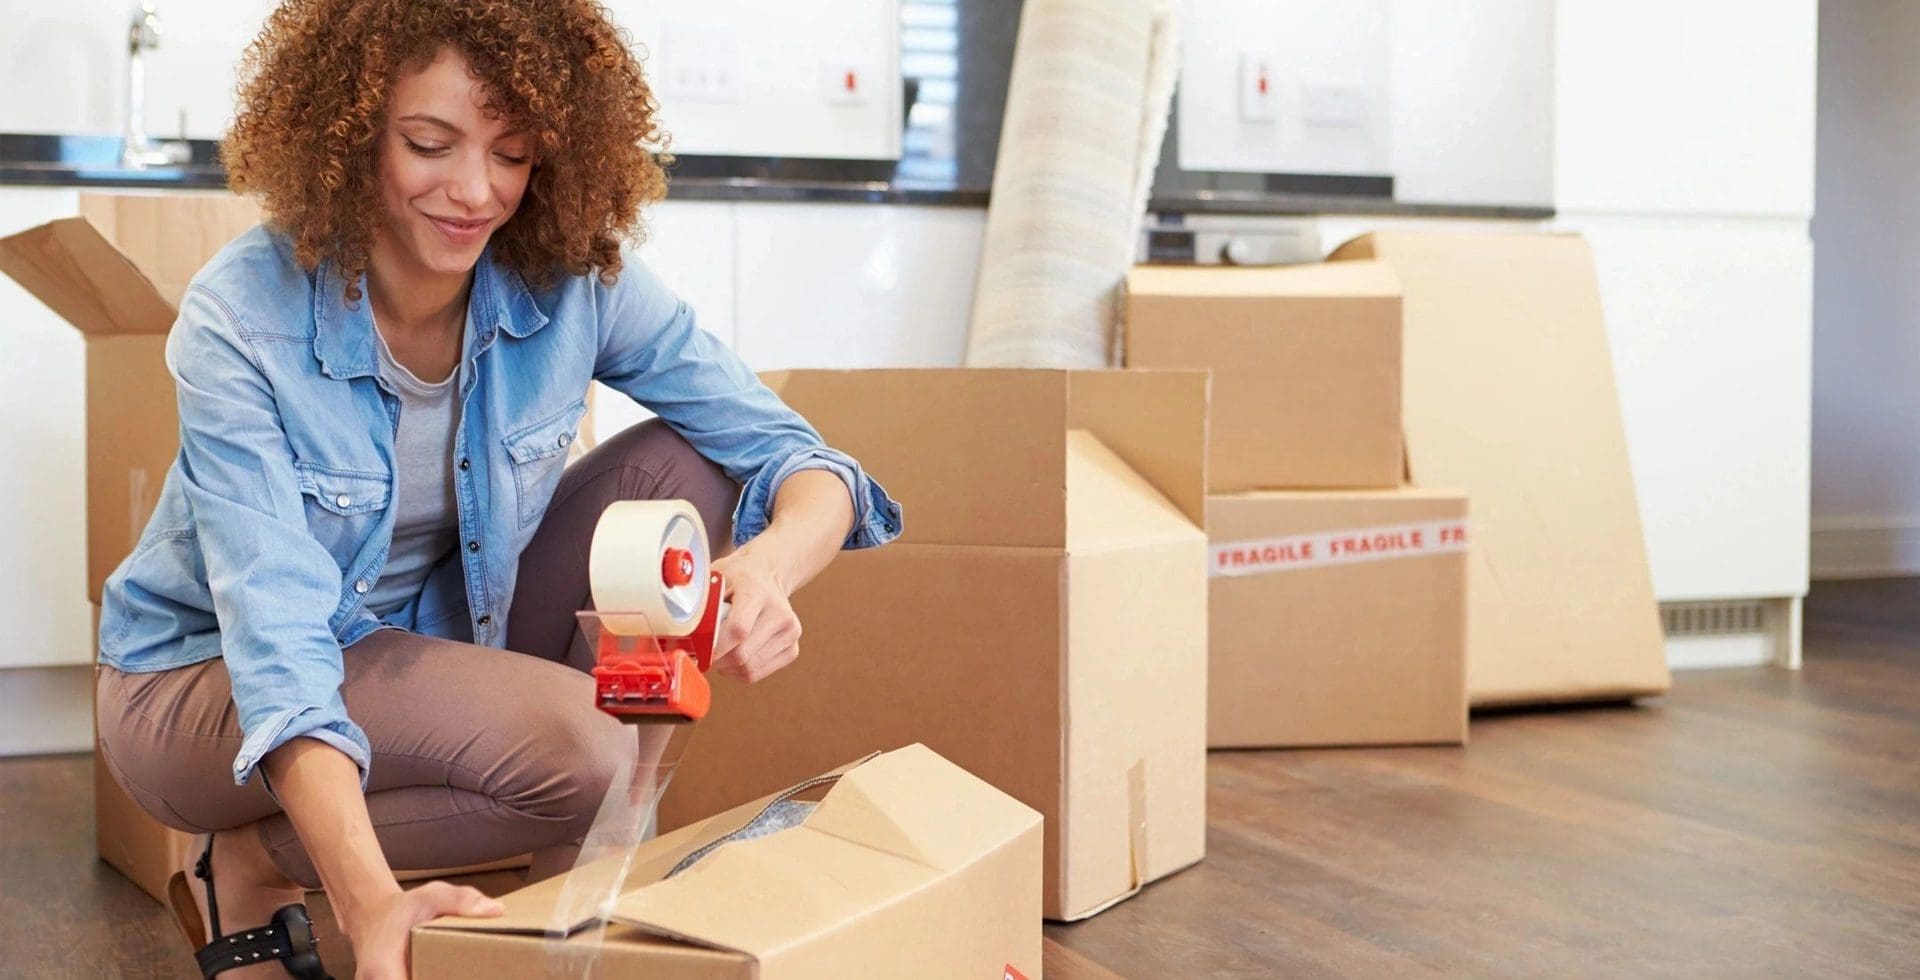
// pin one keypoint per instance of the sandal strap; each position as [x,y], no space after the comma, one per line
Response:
[289,938]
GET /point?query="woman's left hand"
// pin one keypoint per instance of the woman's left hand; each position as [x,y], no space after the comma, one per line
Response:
[761,634]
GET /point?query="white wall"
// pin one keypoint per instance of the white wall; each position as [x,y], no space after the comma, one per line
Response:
[1866,382]
[1327,99]
[72,57]
[1473,86]
[767,79]
[776,58]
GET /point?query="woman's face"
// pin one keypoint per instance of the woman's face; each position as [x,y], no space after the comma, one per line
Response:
[449,175]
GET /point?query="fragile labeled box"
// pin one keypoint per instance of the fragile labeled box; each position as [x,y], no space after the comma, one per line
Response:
[907,866]
[1510,398]
[1305,362]
[1042,622]
[1338,617]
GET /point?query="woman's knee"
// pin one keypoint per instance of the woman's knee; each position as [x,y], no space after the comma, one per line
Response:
[679,472]
[581,753]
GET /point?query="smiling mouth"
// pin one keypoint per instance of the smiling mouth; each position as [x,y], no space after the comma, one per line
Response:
[456,226]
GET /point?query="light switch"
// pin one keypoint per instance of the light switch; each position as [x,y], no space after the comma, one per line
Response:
[847,83]
[1259,87]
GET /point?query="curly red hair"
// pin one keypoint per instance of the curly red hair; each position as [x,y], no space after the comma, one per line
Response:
[312,100]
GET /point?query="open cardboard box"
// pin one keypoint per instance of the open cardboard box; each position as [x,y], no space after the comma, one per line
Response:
[1510,397]
[1042,622]
[908,866]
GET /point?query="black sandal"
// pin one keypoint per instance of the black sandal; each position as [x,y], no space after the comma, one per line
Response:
[288,938]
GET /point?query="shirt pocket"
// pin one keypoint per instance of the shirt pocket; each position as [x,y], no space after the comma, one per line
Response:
[537,453]
[343,506]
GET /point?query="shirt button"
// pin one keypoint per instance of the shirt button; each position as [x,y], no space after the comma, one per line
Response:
[464,464]
[485,620]
[473,546]
[565,438]
[360,586]
[343,500]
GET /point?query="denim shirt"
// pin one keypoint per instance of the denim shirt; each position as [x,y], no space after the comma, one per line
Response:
[274,522]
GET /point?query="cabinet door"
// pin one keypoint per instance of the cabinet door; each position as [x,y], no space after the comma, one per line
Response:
[43,582]
[1685,106]
[855,286]
[1711,328]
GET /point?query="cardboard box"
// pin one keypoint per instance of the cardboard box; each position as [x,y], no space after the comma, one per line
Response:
[116,272]
[907,867]
[1305,361]
[1510,398]
[1042,622]
[1337,618]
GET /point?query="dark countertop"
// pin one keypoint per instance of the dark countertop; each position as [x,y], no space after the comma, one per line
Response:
[38,160]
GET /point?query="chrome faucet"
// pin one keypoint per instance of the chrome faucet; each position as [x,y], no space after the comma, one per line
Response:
[137,150]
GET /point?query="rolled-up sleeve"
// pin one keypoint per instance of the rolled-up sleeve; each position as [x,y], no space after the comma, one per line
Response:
[274,586]
[653,350]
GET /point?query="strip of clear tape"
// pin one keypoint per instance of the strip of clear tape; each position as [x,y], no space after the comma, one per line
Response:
[577,929]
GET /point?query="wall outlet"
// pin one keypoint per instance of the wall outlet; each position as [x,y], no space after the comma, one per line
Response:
[700,63]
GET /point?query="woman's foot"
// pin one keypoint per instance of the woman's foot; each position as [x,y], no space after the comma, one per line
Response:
[249,889]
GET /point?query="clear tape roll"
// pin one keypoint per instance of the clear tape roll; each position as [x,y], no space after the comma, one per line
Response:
[624,568]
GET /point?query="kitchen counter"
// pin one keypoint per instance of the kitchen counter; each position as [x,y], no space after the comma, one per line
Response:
[94,161]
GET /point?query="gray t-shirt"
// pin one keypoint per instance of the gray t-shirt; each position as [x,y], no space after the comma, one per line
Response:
[426,516]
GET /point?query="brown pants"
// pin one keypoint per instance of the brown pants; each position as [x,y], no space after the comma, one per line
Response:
[478,754]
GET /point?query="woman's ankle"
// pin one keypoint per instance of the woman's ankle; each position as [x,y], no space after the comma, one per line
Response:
[240,858]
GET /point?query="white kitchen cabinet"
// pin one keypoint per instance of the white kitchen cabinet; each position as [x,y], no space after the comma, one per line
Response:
[1711,330]
[43,579]
[855,286]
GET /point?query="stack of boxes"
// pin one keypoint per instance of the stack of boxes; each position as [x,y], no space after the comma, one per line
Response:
[1337,593]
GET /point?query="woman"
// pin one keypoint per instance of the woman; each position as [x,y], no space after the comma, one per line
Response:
[360,580]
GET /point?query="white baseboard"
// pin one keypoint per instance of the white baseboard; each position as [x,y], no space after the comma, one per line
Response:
[46,709]
[1866,547]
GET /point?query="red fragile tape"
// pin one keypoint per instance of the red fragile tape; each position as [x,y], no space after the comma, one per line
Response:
[1347,547]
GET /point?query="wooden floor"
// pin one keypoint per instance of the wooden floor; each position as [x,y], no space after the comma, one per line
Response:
[1754,823]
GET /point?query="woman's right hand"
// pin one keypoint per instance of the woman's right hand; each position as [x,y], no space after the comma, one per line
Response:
[380,945]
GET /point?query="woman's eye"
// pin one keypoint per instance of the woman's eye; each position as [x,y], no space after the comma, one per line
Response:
[424,150]
[511,160]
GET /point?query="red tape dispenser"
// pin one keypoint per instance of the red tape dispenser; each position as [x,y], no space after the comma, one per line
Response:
[657,607]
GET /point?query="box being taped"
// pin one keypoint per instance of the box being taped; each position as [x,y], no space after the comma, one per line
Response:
[1338,618]
[908,867]
[116,272]
[1509,397]
[1042,622]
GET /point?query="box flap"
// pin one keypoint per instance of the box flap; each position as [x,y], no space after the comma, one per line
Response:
[1155,420]
[974,456]
[1357,279]
[884,830]
[73,269]
[1510,396]
[122,264]
[978,456]
[1110,506]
